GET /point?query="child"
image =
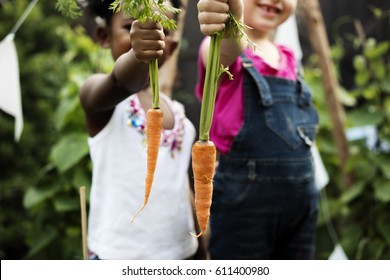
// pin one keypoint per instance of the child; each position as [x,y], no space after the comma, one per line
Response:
[265,202]
[115,106]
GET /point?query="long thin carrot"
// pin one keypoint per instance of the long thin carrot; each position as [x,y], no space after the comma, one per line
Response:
[154,119]
[146,10]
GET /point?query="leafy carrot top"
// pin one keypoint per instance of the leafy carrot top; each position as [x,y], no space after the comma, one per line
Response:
[142,10]
[145,10]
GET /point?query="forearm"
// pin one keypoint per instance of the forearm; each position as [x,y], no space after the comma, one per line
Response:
[102,92]
[230,49]
[131,73]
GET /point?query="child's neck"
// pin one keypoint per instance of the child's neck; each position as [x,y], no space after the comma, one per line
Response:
[267,51]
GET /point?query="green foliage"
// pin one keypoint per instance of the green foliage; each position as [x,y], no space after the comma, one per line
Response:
[41,175]
[41,74]
[360,213]
[53,200]
[69,8]
[213,71]
[145,10]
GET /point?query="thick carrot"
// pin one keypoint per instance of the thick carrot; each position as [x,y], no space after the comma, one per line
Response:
[204,151]
[154,119]
[203,166]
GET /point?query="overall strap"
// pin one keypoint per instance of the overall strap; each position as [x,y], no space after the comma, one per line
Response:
[304,98]
[261,83]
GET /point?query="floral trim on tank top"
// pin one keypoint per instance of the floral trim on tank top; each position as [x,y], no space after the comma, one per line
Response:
[171,138]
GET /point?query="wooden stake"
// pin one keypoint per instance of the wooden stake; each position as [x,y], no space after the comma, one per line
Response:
[320,44]
[83,222]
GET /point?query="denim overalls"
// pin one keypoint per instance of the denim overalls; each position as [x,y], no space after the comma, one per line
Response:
[265,202]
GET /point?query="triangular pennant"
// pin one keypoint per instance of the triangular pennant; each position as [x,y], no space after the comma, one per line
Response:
[10,97]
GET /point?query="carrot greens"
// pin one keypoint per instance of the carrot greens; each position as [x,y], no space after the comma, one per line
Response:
[69,8]
[213,72]
[204,150]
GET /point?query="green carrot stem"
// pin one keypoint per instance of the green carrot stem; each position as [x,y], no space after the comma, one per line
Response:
[153,74]
[210,87]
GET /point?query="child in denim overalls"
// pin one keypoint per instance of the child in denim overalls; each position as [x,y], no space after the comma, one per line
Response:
[265,202]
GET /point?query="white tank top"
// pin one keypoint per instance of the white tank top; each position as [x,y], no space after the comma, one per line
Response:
[162,229]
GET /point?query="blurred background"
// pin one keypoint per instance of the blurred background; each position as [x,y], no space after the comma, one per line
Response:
[41,171]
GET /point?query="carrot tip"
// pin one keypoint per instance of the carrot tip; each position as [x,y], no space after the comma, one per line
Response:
[136,214]
[199,235]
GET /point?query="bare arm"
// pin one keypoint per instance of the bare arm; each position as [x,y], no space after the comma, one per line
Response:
[102,92]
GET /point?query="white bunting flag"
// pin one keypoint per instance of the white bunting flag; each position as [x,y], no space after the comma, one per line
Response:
[10,99]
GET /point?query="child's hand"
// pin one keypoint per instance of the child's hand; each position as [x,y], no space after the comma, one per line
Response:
[213,14]
[147,40]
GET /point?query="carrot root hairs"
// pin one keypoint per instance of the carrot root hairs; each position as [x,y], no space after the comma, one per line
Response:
[203,166]
[154,119]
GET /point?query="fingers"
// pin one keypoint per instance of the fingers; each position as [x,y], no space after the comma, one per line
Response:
[212,15]
[147,40]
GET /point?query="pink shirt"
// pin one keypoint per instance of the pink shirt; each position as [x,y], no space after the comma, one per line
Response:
[229,104]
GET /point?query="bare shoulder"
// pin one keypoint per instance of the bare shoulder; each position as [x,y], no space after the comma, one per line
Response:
[89,86]
[96,102]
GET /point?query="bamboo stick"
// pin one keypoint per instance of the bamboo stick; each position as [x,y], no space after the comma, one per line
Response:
[83,222]
[319,40]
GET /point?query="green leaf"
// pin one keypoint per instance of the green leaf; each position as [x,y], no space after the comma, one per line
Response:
[64,203]
[69,151]
[382,190]
[69,8]
[346,98]
[383,163]
[35,196]
[81,178]
[45,237]
[362,117]
[362,78]
[374,50]
[145,10]
[383,225]
[65,109]
[385,85]
[330,208]
[371,92]
[376,11]
[359,62]
[350,237]
[373,249]
[353,192]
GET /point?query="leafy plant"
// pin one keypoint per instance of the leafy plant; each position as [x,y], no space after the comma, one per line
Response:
[41,74]
[53,200]
[361,213]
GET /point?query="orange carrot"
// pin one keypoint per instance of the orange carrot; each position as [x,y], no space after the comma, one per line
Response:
[154,119]
[203,166]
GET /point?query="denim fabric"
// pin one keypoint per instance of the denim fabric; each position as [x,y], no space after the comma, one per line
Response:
[265,203]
